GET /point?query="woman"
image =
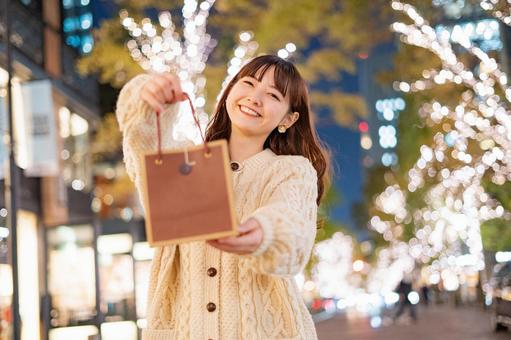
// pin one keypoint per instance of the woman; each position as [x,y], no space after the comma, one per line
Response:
[237,287]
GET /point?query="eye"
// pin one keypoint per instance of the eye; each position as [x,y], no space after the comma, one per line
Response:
[248,82]
[274,96]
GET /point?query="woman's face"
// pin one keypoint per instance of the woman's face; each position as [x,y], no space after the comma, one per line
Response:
[255,107]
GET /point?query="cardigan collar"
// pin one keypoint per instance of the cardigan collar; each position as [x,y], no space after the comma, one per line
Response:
[254,162]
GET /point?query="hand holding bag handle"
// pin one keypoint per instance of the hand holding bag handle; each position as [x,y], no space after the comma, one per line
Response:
[186,167]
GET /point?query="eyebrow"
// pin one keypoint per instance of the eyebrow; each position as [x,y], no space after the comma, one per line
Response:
[272,86]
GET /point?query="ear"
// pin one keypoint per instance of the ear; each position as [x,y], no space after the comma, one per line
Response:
[289,119]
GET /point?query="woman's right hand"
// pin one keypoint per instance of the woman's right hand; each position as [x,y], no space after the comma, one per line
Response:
[161,89]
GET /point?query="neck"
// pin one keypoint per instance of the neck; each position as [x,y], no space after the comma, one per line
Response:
[242,147]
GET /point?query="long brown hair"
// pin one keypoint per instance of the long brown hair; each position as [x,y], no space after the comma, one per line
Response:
[301,138]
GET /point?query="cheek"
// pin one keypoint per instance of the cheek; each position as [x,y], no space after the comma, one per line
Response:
[278,112]
[232,98]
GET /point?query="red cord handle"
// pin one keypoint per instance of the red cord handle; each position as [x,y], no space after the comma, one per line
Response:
[158,130]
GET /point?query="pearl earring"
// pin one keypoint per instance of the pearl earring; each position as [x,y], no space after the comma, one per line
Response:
[282,128]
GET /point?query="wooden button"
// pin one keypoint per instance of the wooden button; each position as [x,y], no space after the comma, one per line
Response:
[235,166]
[211,271]
[211,307]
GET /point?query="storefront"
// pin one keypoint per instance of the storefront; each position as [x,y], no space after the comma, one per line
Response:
[111,302]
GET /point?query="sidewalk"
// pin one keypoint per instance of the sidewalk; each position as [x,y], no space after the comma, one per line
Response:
[435,322]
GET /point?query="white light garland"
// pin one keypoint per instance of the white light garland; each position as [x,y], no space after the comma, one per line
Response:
[476,141]
[492,5]
[161,49]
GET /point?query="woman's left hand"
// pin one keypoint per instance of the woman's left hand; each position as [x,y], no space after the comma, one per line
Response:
[249,239]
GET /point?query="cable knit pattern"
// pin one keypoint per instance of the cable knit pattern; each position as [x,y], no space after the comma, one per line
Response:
[255,295]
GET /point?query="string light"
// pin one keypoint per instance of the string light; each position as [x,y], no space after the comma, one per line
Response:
[159,48]
[475,142]
[492,6]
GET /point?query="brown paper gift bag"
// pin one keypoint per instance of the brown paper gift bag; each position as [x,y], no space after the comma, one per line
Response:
[188,192]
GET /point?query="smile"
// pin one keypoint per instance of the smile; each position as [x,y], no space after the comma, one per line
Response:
[248,111]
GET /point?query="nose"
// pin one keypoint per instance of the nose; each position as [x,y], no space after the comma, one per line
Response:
[254,99]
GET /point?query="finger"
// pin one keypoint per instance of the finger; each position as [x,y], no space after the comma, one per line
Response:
[166,87]
[249,225]
[229,249]
[176,86]
[243,241]
[154,88]
[152,101]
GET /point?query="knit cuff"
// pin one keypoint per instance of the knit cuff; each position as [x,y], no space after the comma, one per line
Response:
[268,233]
[129,103]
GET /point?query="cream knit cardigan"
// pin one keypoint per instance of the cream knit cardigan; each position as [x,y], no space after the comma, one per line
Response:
[255,295]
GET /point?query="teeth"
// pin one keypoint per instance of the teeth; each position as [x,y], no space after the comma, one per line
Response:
[249,111]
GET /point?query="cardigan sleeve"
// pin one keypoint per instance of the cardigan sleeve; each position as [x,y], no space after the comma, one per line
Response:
[288,217]
[137,122]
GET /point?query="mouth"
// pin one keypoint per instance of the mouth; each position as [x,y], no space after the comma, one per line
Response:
[248,111]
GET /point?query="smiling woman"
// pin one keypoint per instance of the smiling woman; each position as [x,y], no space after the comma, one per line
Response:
[279,169]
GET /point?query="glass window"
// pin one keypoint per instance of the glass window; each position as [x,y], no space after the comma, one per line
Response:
[71,276]
[74,130]
[116,277]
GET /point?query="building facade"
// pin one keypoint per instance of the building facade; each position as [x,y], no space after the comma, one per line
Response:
[55,111]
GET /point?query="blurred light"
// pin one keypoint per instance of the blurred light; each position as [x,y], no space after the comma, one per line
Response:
[366,142]
[86,21]
[291,47]
[488,299]
[4,232]
[245,36]
[389,158]
[3,212]
[450,140]
[283,53]
[329,306]
[388,114]
[96,205]
[309,286]
[363,127]
[503,256]
[376,321]
[142,251]
[391,298]
[108,199]
[77,184]
[115,244]
[413,297]
[127,214]
[79,126]
[388,137]
[358,265]
[450,280]
[341,304]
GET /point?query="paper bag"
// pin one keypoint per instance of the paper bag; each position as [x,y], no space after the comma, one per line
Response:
[188,193]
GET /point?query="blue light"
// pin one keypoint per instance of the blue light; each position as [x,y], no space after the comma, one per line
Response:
[449,139]
[483,33]
[86,21]
[389,158]
[87,43]
[71,24]
[67,4]
[73,40]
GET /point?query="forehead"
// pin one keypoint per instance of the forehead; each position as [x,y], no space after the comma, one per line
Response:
[271,74]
